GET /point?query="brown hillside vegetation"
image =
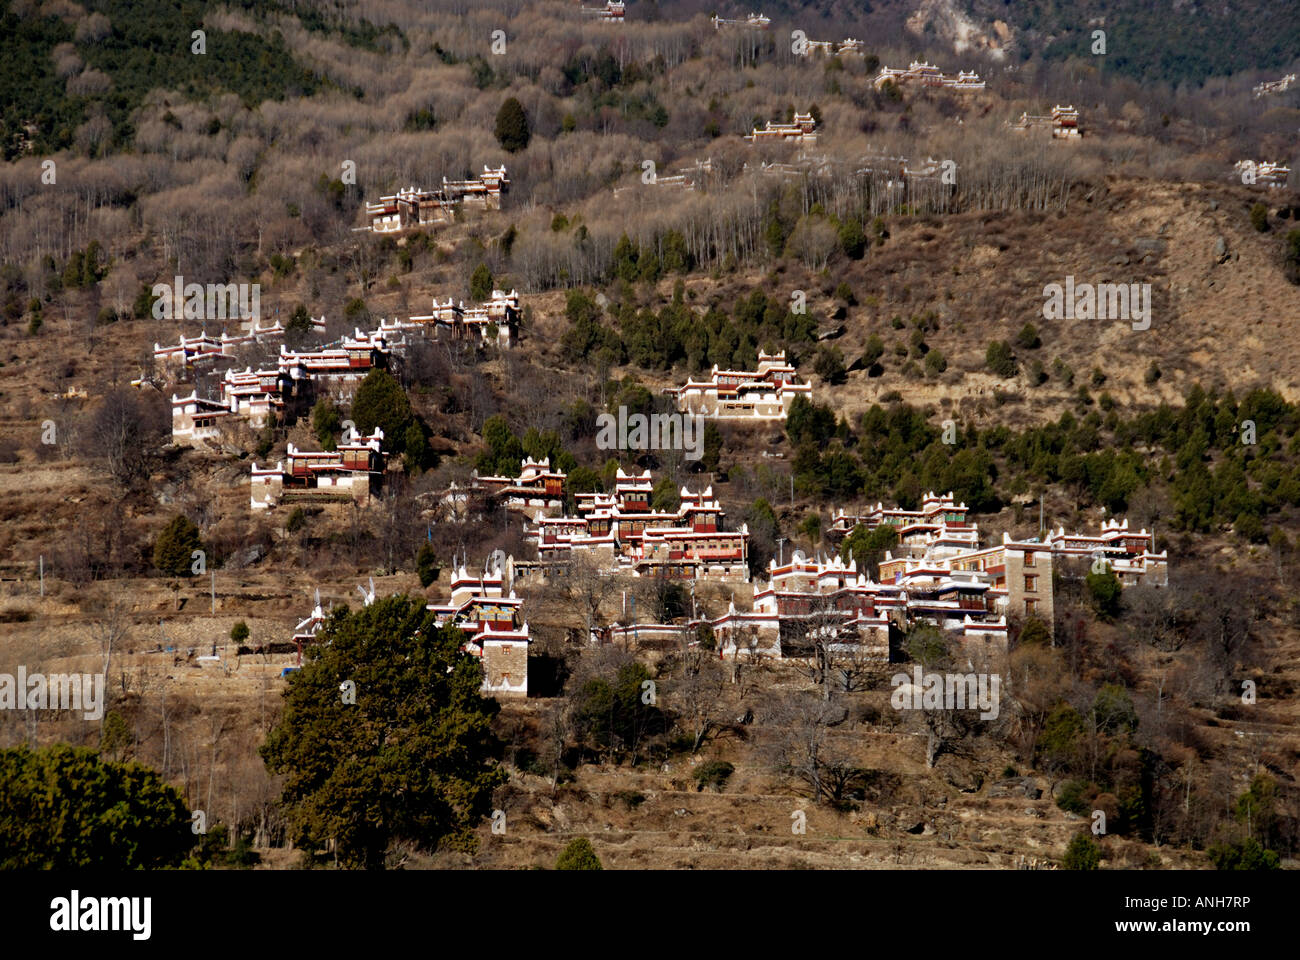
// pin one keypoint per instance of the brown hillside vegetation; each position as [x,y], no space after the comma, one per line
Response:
[219,190]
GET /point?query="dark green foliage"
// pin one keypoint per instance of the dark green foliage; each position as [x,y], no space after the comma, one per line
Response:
[586,335]
[381,402]
[874,351]
[1246,854]
[868,547]
[829,365]
[578,855]
[426,564]
[295,521]
[239,632]
[853,241]
[356,311]
[1035,631]
[148,41]
[1000,359]
[1259,217]
[1059,744]
[325,422]
[64,808]
[713,774]
[415,446]
[808,422]
[1083,853]
[299,321]
[412,760]
[1028,337]
[1291,256]
[422,119]
[1174,44]
[1113,710]
[173,549]
[504,451]
[1075,796]
[512,130]
[1104,592]
[214,849]
[664,497]
[480,283]
[612,715]
[927,645]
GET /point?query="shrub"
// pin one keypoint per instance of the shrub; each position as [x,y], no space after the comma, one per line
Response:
[480,283]
[1000,359]
[1083,853]
[426,565]
[239,632]
[1243,855]
[874,351]
[1035,631]
[173,549]
[1104,591]
[713,774]
[829,365]
[1028,337]
[295,521]
[1291,258]
[1259,217]
[578,855]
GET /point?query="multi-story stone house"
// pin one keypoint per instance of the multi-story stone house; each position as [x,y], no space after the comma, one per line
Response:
[1129,553]
[251,397]
[416,208]
[762,394]
[534,492]
[620,532]
[755,20]
[928,75]
[803,129]
[496,321]
[1273,86]
[352,472]
[1063,123]
[486,610]
[611,12]
[338,370]
[1264,173]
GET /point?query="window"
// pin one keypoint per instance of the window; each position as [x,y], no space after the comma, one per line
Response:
[1031,606]
[1031,584]
[1029,559]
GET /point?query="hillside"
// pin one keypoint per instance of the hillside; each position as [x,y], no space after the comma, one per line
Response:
[912,304]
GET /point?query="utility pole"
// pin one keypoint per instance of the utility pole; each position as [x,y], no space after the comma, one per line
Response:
[42,575]
[780,545]
[214,589]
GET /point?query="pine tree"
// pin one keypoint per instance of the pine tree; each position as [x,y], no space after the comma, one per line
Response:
[512,130]
[172,551]
[412,760]
[64,808]
[578,855]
